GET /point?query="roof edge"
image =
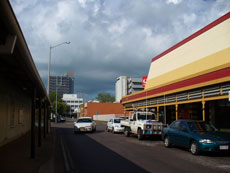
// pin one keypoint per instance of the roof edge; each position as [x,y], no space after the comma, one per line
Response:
[194,35]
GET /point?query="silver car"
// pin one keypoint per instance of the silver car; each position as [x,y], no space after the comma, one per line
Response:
[84,124]
[114,125]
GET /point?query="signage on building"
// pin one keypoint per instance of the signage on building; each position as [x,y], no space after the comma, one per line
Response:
[144,79]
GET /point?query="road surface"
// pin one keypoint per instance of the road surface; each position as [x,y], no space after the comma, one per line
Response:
[104,152]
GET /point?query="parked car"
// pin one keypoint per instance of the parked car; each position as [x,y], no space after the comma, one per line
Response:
[114,125]
[198,136]
[84,124]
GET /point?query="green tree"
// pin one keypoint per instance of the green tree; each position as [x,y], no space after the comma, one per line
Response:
[61,108]
[53,97]
[105,97]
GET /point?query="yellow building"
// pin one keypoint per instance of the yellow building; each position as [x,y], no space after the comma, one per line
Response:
[190,80]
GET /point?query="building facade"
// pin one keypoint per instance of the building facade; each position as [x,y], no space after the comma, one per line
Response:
[126,85]
[63,84]
[73,101]
[190,80]
[134,85]
[120,88]
[91,109]
[24,99]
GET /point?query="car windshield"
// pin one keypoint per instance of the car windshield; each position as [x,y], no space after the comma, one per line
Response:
[117,120]
[144,117]
[200,127]
[84,121]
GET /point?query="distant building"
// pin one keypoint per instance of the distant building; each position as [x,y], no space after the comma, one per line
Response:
[126,85]
[73,101]
[120,88]
[64,84]
[91,109]
[134,85]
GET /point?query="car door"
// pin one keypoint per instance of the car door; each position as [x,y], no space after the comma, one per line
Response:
[109,124]
[173,131]
[133,124]
[183,134]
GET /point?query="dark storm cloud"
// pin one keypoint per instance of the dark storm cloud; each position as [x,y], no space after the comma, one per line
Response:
[108,38]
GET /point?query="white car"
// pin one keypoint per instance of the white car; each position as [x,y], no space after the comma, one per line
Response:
[84,124]
[114,125]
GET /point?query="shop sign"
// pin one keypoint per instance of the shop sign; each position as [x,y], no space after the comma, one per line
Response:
[144,79]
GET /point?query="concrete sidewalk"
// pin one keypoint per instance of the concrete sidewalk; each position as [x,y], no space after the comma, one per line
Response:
[15,156]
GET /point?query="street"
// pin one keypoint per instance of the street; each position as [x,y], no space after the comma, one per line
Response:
[106,152]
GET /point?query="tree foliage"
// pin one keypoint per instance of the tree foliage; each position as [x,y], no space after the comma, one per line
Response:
[52,96]
[105,97]
[61,108]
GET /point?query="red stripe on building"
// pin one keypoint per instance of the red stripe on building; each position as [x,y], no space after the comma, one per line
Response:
[196,34]
[193,81]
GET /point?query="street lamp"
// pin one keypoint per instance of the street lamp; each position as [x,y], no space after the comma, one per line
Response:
[56,117]
[51,47]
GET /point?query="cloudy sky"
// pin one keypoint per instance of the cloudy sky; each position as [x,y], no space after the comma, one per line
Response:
[109,38]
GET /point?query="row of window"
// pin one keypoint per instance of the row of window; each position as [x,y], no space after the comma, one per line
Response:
[75,106]
[68,101]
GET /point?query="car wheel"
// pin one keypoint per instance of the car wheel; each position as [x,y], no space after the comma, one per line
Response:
[126,132]
[113,130]
[194,148]
[107,129]
[167,142]
[140,134]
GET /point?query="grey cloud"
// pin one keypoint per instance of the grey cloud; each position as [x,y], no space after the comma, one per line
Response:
[108,38]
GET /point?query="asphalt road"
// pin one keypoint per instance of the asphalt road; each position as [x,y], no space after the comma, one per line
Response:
[105,152]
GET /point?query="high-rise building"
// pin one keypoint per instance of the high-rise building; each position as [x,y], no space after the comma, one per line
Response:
[134,85]
[120,88]
[63,84]
[127,85]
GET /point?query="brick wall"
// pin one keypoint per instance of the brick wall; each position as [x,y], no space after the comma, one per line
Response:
[103,108]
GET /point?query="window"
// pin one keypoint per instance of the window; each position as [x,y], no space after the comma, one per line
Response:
[200,127]
[84,120]
[183,126]
[134,117]
[175,125]
[117,120]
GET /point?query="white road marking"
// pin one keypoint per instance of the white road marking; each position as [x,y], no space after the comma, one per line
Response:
[65,155]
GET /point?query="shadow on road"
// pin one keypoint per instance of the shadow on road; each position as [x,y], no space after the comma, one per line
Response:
[90,156]
[97,131]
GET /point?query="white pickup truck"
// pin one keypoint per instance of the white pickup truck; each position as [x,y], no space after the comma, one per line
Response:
[142,124]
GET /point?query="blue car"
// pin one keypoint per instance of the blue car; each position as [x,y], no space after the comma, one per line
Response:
[196,135]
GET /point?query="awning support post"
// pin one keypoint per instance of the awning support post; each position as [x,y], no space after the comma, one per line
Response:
[203,110]
[33,107]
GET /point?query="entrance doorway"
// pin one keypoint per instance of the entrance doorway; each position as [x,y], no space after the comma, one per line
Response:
[217,112]
[191,111]
[170,112]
